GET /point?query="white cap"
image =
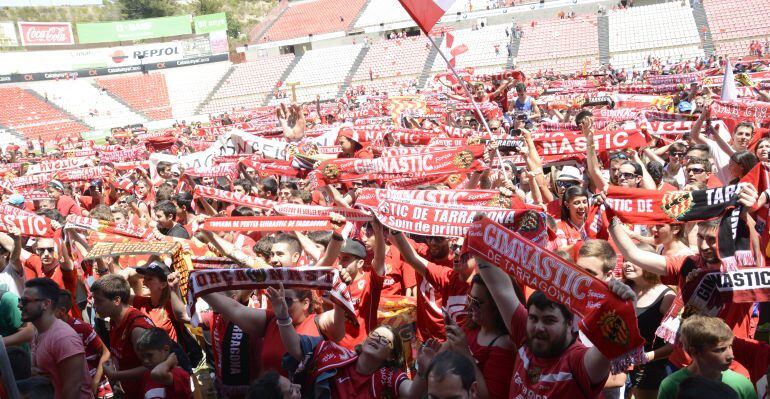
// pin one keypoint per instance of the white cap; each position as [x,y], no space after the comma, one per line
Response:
[570,173]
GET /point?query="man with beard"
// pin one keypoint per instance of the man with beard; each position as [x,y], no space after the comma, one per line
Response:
[551,362]
[687,271]
[58,351]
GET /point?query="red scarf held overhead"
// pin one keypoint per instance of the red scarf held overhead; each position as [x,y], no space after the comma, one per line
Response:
[130,154]
[755,111]
[350,214]
[34,226]
[229,170]
[562,143]
[438,163]
[268,223]
[269,167]
[608,322]
[233,198]
[103,226]
[371,197]
[84,174]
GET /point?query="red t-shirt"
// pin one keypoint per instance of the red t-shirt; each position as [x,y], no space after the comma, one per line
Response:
[179,389]
[273,349]
[398,277]
[559,377]
[162,316]
[430,319]
[756,357]
[66,205]
[348,383]
[452,289]
[736,315]
[122,350]
[235,355]
[365,292]
[495,363]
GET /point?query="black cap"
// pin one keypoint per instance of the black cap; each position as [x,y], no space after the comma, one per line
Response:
[355,248]
[156,268]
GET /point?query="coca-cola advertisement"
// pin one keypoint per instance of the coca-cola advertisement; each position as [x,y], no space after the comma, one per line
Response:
[46,33]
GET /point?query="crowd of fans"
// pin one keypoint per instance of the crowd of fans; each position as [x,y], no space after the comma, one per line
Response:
[91,307]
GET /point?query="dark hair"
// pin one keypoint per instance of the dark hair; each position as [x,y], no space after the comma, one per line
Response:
[699,387]
[163,165]
[397,352]
[699,147]
[521,87]
[168,208]
[744,124]
[153,339]
[569,193]
[540,301]
[243,183]
[292,241]
[499,322]
[320,237]
[184,200]
[112,286]
[451,362]
[65,300]
[263,246]
[165,192]
[637,168]
[47,288]
[746,160]
[52,214]
[269,185]
[655,169]
[101,212]
[243,211]
[701,161]
[677,147]
[266,387]
[288,184]
[582,115]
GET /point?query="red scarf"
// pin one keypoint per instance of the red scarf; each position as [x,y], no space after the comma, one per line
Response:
[103,226]
[758,111]
[561,143]
[351,214]
[231,197]
[370,197]
[268,167]
[84,174]
[130,154]
[229,170]
[608,322]
[268,223]
[35,226]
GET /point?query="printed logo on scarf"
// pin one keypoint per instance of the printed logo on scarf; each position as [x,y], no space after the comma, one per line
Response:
[614,328]
[676,204]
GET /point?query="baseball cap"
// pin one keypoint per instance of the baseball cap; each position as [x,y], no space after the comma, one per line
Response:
[570,173]
[355,248]
[155,268]
[57,185]
[16,199]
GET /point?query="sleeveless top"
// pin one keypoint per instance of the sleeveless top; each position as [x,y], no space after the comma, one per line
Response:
[649,318]
[526,106]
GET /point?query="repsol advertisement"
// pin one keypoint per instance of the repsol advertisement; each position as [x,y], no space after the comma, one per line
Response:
[38,76]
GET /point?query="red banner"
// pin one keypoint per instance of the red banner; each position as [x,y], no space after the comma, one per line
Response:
[268,223]
[267,167]
[225,169]
[46,34]
[129,154]
[370,197]
[562,143]
[352,215]
[233,198]
[741,110]
[35,226]
[84,174]
[103,226]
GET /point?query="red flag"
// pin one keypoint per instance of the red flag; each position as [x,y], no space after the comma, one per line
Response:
[450,39]
[459,50]
[426,12]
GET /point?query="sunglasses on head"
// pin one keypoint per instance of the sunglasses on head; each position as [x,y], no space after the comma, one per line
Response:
[566,183]
[618,155]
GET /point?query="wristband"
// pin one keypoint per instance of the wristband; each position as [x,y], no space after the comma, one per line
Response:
[284,322]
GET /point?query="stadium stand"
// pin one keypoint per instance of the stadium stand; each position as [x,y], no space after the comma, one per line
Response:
[30,115]
[481,47]
[314,17]
[382,12]
[90,104]
[734,24]
[560,44]
[647,27]
[249,83]
[637,60]
[146,93]
[189,86]
[325,67]
[393,58]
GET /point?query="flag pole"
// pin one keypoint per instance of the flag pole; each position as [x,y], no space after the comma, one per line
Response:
[470,97]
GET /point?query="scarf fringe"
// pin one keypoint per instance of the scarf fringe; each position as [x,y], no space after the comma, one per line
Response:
[741,259]
[628,359]
[667,334]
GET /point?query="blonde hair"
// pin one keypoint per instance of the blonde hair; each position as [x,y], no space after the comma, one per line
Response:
[699,333]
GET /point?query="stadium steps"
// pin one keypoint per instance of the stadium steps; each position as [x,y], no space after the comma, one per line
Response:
[353,23]
[10,136]
[429,63]
[603,27]
[269,25]
[271,96]
[57,107]
[353,68]
[699,14]
[214,91]
[121,101]
[515,44]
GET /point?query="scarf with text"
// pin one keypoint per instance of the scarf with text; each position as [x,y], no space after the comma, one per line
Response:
[268,167]
[268,223]
[53,165]
[370,197]
[229,170]
[633,205]
[301,210]
[757,111]
[91,224]
[29,225]
[561,143]
[231,197]
[608,322]
[437,163]
[202,282]
[130,154]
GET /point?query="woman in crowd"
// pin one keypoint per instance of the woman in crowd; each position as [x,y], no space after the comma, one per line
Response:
[574,208]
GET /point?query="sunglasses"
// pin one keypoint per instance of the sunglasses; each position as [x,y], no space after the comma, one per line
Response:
[676,154]
[626,175]
[695,171]
[474,302]
[41,251]
[618,155]
[565,183]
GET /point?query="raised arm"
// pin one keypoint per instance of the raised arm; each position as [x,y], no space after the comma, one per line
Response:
[289,335]
[308,246]
[593,168]
[411,256]
[500,287]
[378,262]
[250,320]
[649,261]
